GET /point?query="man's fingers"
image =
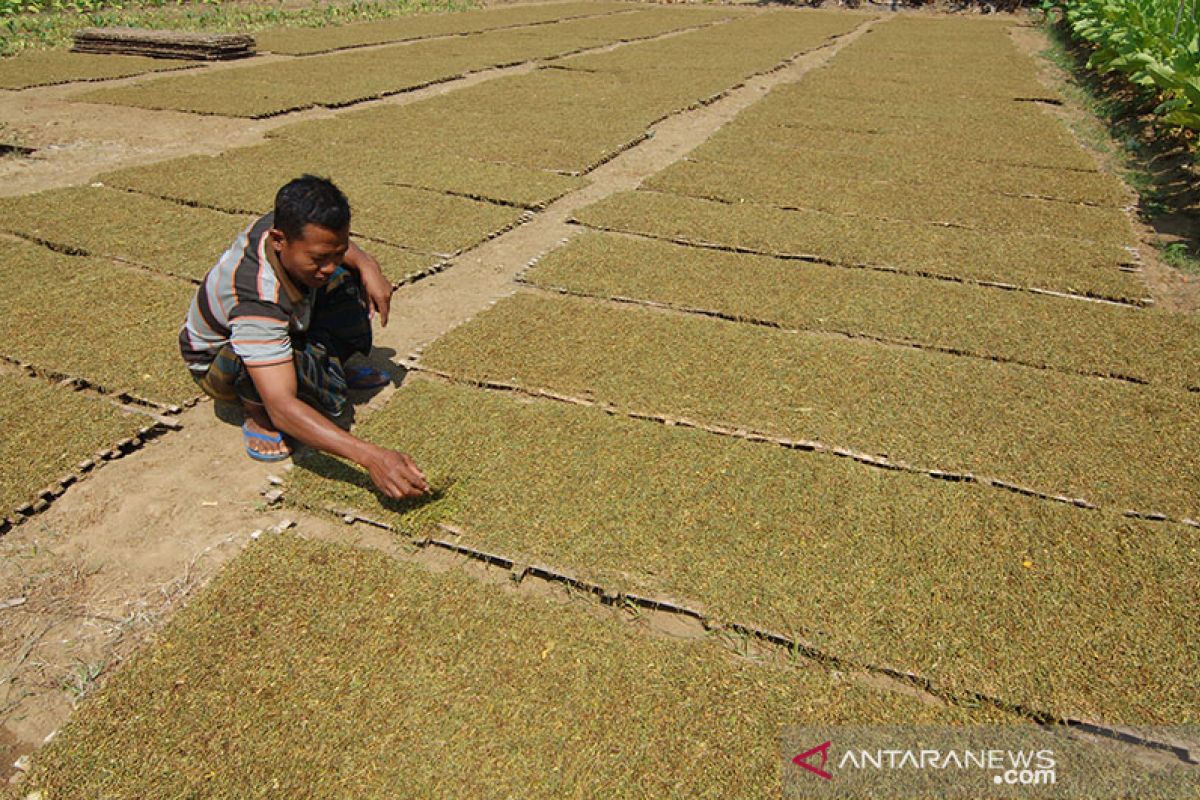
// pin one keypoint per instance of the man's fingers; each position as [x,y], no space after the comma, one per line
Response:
[398,477]
[398,489]
[416,486]
[379,301]
[383,303]
[418,480]
[412,465]
[402,485]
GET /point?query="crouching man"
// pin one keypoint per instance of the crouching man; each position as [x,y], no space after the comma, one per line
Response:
[276,319]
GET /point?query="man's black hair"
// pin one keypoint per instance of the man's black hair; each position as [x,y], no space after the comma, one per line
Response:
[310,200]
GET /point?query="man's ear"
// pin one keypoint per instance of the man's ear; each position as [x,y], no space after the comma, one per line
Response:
[277,237]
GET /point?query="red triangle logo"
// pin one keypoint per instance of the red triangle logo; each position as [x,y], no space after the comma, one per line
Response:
[802,760]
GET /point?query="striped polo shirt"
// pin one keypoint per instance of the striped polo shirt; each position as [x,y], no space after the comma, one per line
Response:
[243,303]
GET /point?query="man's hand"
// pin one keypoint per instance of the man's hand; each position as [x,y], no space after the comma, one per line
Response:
[377,287]
[396,475]
[379,293]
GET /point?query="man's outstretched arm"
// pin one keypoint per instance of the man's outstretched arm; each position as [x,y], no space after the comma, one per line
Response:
[394,473]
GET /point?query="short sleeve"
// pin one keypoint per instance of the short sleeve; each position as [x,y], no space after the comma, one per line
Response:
[260,340]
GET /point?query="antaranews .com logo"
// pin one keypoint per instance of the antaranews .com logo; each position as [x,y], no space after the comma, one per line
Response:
[996,761]
[1020,767]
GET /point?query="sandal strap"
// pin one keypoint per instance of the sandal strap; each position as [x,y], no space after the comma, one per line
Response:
[262,437]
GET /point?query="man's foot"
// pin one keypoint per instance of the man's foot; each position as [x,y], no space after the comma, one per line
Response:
[263,444]
[364,377]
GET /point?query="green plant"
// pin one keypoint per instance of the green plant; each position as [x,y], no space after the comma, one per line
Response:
[1180,256]
[1159,164]
[80,679]
[1155,43]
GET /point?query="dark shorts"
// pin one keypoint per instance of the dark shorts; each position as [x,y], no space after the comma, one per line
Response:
[340,327]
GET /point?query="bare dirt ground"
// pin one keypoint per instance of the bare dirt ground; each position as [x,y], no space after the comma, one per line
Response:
[83,584]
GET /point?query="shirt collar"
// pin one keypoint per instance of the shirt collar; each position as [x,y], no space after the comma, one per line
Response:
[293,292]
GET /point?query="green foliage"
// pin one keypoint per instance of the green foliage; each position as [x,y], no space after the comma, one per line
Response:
[1180,256]
[9,8]
[1155,43]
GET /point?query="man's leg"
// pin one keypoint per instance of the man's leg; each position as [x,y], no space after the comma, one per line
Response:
[220,382]
[319,382]
[341,323]
[339,328]
[260,433]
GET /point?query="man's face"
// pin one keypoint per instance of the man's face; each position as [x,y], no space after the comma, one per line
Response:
[311,258]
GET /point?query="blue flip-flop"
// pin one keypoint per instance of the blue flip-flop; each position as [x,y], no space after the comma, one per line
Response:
[364,377]
[257,456]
